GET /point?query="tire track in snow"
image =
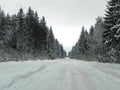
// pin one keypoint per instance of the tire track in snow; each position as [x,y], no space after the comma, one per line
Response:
[98,72]
[99,76]
[77,83]
[24,76]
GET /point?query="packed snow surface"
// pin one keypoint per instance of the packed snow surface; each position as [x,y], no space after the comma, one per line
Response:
[59,74]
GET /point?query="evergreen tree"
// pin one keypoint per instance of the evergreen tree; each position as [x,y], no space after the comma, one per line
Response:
[8,33]
[83,43]
[91,31]
[38,34]
[2,24]
[20,31]
[44,32]
[115,52]
[50,43]
[27,37]
[14,21]
[56,48]
[80,50]
[73,52]
[111,19]
[29,30]
[110,35]
[98,39]
[61,51]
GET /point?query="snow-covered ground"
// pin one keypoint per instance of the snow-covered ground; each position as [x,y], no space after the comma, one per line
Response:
[60,74]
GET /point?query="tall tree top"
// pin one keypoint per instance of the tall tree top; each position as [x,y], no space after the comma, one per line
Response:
[20,13]
[30,12]
[36,15]
[112,13]
[91,31]
[43,20]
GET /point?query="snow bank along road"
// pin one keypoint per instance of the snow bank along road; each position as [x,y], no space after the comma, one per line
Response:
[64,74]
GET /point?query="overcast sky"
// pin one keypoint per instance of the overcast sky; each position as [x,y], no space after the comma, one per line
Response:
[65,16]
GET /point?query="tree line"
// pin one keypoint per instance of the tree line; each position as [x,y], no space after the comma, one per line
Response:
[102,42]
[25,36]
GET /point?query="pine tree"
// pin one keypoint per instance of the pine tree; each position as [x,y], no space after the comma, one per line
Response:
[81,48]
[111,19]
[2,24]
[50,43]
[91,31]
[98,39]
[83,44]
[56,45]
[61,51]
[73,52]
[20,31]
[27,37]
[14,21]
[44,32]
[38,34]
[110,35]
[29,19]
[115,52]
[8,33]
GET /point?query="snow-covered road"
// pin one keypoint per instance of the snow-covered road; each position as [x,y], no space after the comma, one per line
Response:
[60,74]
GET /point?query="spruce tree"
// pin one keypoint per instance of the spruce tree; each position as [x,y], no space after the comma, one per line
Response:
[8,33]
[29,19]
[27,37]
[115,52]
[2,24]
[44,32]
[50,43]
[20,31]
[110,20]
[91,31]
[110,35]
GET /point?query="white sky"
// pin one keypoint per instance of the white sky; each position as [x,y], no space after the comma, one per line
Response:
[65,16]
